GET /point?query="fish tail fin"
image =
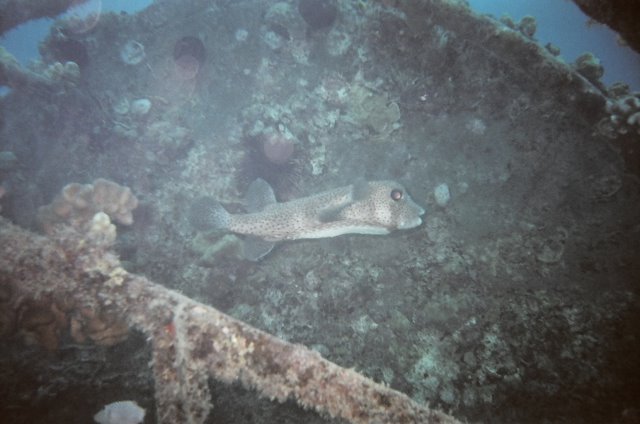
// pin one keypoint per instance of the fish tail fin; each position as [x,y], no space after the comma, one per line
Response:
[208,214]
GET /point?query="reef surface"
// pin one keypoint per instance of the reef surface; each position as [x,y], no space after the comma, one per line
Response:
[515,301]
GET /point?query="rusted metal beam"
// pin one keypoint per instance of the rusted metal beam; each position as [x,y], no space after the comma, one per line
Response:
[191,341]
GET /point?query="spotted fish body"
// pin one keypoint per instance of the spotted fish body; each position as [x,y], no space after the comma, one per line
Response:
[376,207]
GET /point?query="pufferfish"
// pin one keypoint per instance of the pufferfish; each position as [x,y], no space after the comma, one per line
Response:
[373,207]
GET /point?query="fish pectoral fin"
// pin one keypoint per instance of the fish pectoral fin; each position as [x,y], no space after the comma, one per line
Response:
[256,248]
[331,214]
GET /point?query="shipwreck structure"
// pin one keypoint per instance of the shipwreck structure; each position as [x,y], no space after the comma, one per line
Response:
[515,301]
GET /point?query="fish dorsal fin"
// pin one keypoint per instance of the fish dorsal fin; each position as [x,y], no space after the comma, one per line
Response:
[259,195]
[360,190]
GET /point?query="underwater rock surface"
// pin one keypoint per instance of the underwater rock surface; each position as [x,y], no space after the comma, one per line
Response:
[516,302]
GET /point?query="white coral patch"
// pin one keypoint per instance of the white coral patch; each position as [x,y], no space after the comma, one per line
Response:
[123,412]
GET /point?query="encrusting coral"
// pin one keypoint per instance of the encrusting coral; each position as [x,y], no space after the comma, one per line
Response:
[190,341]
[46,321]
[86,208]
[39,322]
[374,111]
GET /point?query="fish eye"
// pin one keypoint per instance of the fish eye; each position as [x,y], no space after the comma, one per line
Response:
[396,194]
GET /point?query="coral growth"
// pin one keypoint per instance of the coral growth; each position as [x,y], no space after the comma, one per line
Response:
[77,204]
[132,52]
[374,111]
[123,412]
[538,207]
[64,49]
[101,328]
[38,322]
[69,71]
[624,114]
[46,321]
[191,341]
[166,140]
[589,67]
[12,74]
[140,107]
[527,26]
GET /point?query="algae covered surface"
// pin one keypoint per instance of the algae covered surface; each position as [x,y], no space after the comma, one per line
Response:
[516,300]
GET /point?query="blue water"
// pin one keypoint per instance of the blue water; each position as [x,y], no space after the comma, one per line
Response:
[23,41]
[563,24]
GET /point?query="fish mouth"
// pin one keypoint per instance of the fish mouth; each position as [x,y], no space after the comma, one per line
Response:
[412,223]
[413,220]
